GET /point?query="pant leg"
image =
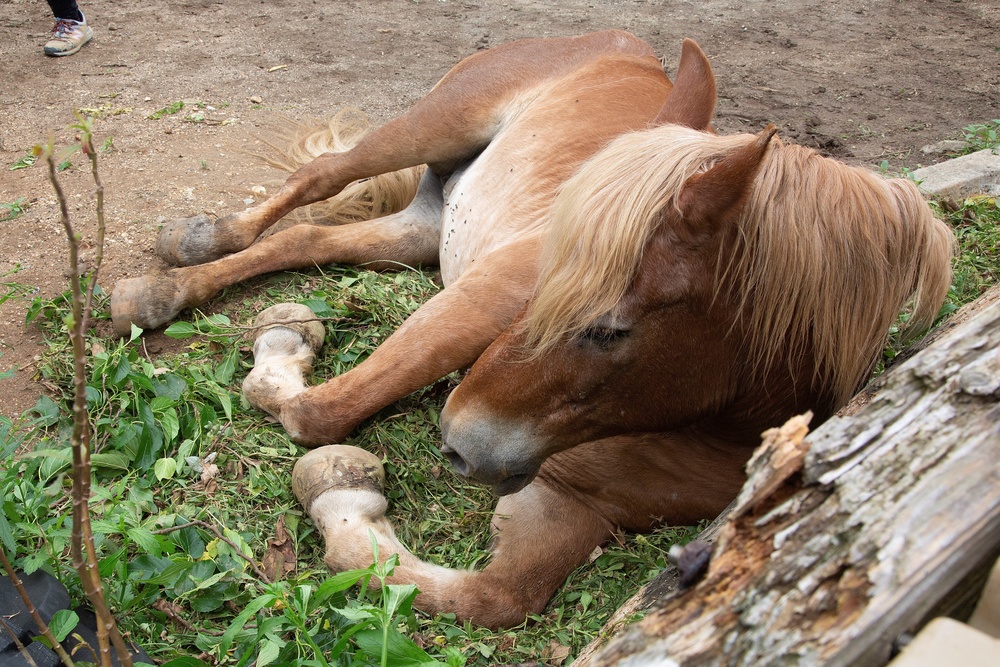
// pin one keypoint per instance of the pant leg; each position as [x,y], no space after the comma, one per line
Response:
[65,9]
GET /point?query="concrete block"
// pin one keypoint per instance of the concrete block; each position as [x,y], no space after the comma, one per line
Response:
[961,177]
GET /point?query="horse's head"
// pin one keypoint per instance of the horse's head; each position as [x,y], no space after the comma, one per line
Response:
[627,332]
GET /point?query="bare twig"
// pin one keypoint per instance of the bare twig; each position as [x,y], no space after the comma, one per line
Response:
[84,553]
[42,625]
[17,642]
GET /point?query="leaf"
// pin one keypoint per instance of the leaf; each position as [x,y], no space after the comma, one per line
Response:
[399,599]
[169,386]
[62,623]
[164,468]
[185,662]
[337,583]
[319,307]
[269,651]
[111,460]
[227,367]
[47,410]
[279,558]
[145,539]
[190,541]
[356,614]
[206,603]
[241,620]
[402,651]
[6,535]
[180,330]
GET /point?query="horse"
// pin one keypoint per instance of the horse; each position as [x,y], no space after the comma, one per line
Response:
[636,299]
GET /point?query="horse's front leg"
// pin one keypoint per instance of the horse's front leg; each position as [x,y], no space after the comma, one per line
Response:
[445,334]
[542,534]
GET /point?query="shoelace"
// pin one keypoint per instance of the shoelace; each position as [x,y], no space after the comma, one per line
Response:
[64,27]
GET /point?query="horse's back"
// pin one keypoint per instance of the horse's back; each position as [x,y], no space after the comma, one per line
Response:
[599,87]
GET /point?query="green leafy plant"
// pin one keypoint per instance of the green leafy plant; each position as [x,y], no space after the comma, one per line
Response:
[23,162]
[169,110]
[980,136]
[11,210]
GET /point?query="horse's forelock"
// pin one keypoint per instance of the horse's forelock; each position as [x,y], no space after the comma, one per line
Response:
[600,223]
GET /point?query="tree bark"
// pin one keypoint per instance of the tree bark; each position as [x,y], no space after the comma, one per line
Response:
[847,538]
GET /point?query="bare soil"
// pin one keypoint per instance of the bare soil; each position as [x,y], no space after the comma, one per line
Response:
[862,80]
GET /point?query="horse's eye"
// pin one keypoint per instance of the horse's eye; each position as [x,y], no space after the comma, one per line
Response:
[603,337]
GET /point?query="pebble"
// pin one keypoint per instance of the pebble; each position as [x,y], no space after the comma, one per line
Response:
[946,146]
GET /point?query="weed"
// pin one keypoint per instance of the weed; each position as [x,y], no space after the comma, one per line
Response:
[23,162]
[10,210]
[168,110]
[886,169]
[981,136]
[106,109]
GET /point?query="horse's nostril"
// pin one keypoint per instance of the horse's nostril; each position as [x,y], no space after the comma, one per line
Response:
[456,460]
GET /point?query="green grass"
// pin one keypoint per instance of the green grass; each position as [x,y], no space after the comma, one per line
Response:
[12,209]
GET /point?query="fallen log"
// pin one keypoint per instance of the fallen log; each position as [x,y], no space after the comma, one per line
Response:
[845,540]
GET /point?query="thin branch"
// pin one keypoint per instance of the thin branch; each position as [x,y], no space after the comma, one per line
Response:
[17,642]
[83,551]
[42,625]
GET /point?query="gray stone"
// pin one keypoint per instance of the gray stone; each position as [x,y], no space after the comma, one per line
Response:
[963,176]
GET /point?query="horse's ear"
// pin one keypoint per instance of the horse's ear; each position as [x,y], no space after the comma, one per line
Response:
[692,100]
[714,193]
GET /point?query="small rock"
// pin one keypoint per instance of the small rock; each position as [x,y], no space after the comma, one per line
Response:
[256,99]
[946,146]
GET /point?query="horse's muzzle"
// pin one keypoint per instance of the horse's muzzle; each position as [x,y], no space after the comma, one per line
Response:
[502,480]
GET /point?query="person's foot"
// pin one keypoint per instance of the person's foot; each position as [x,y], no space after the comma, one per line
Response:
[68,37]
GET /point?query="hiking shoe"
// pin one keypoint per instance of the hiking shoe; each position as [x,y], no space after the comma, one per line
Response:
[68,37]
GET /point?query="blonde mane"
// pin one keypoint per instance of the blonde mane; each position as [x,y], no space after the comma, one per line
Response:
[825,256]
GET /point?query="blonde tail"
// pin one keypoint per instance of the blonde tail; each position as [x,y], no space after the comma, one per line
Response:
[362,200]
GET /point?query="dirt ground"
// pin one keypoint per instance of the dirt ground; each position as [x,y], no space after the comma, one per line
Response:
[862,80]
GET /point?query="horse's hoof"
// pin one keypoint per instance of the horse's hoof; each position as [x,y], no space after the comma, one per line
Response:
[336,468]
[294,316]
[139,301]
[189,241]
[286,338]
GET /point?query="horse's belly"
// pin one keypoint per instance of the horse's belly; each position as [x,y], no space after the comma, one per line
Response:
[487,206]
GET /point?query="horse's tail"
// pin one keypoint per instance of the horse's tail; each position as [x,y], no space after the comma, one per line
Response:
[934,246]
[362,200]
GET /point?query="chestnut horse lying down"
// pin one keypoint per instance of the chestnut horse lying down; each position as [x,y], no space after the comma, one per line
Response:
[638,297]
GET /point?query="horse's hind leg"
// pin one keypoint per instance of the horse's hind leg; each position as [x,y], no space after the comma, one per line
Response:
[447,127]
[542,535]
[408,238]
